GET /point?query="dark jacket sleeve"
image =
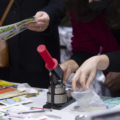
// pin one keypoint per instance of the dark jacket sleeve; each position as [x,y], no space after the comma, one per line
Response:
[79,57]
[56,10]
[114,61]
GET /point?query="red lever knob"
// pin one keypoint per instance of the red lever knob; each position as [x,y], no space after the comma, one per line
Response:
[51,63]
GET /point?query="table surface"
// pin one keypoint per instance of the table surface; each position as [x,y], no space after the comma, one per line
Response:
[67,113]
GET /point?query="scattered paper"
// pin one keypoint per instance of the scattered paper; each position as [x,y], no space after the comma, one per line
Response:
[2,82]
[111,102]
[28,89]
[4,103]
[12,113]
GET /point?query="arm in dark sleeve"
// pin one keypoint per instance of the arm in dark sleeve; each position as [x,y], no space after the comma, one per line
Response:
[56,10]
[114,61]
[80,56]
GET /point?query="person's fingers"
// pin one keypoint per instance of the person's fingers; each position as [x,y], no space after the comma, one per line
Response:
[66,75]
[107,81]
[108,75]
[66,71]
[36,24]
[90,79]
[110,85]
[39,14]
[90,1]
[82,80]
[77,84]
[74,80]
[113,88]
[117,87]
[38,29]
[49,73]
[74,84]
[44,18]
[33,28]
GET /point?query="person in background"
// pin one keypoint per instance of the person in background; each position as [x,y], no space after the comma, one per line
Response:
[26,65]
[107,62]
[95,24]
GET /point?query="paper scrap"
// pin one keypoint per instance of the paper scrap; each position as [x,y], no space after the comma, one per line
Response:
[13,101]
[111,102]
[12,113]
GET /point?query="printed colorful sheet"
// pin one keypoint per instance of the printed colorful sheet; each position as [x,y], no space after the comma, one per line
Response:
[111,102]
[3,82]
[4,103]
[10,92]
[9,31]
[12,113]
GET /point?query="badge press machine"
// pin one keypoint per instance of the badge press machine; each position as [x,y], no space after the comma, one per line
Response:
[57,96]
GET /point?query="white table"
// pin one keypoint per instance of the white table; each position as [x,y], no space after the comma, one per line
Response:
[40,100]
[67,113]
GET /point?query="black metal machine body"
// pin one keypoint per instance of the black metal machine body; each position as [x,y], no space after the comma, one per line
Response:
[57,97]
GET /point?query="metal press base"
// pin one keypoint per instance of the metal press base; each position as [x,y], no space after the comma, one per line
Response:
[59,106]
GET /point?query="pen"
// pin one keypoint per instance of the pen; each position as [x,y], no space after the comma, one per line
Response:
[36,108]
[33,111]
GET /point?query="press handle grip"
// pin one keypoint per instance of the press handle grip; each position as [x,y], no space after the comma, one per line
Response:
[51,63]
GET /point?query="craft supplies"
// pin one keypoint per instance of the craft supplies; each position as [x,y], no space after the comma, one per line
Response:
[2,87]
[34,111]
[13,101]
[2,82]
[12,113]
[32,108]
[111,102]
[31,95]
[31,92]
[10,92]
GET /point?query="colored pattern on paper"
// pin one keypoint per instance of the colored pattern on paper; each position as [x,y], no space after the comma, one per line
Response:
[111,102]
[10,89]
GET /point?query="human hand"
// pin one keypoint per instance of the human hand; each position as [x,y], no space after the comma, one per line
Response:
[42,24]
[112,81]
[87,69]
[68,67]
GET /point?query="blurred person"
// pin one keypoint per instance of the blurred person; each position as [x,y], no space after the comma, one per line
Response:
[26,65]
[107,62]
[95,24]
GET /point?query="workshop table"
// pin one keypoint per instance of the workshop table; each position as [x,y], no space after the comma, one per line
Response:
[38,101]
[67,113]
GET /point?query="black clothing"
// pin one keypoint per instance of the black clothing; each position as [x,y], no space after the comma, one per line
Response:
[114,61]
[99,5]
[114,57]
[80,56]
[26,65]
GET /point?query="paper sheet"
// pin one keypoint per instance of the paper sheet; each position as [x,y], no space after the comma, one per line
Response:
[9,31]
[13,113]
[13,101]
[111,102]
[26,87]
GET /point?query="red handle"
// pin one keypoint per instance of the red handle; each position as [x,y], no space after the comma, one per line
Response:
[51,63]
